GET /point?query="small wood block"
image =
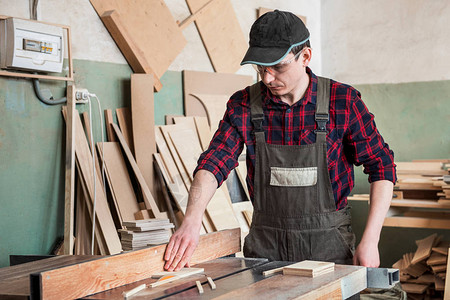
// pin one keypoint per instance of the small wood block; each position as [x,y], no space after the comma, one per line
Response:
[436,259]
[414,288]
[175,275]
[211,283]
[273,271]
[134,291]
[199,287]
[424,248]
[309,268]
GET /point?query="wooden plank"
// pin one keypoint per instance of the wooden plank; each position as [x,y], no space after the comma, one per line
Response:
[204,131]
[219,26]
[148,198]
[147,22]
[447,279]
[130,50]
[124,119]
[196,82]
[416,222]
[184,272]
[109,131]
[69,175]
[120,182]
[82,279]
[309,268]
[414,288]
[424,248]
[143,120]
[102,211]
[164,190]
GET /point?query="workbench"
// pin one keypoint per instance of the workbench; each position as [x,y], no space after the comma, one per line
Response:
[233,277]
[107,277]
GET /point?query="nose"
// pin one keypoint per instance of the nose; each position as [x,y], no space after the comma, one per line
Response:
[267,77]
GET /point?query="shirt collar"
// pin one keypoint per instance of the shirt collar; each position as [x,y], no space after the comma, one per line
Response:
[308,97]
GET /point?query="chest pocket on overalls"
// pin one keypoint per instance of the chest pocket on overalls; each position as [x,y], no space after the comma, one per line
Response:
[293,177]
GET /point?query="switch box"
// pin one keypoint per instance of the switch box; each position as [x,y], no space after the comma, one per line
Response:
[31,45]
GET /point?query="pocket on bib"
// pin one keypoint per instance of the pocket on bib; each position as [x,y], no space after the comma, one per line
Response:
[293,177]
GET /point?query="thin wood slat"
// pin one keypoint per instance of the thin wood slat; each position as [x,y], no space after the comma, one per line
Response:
[124,119]
[82,279]
[109,131]
[148,198]
[104,218]
[447,279]
[119,179]
[204,131]
[69,175]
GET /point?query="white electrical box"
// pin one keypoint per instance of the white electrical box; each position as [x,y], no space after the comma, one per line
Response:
[31,45]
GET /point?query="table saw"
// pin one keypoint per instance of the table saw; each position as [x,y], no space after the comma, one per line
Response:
[94,277]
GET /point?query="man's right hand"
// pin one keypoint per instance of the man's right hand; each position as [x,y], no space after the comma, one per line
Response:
[181,246]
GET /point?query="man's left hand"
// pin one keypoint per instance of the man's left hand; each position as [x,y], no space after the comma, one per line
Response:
[367,255]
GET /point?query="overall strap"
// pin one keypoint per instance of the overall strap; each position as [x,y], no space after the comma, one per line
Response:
[322,115]
[257,115]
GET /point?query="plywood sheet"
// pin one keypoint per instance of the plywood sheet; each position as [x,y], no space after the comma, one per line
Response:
[221,34]
[196,82]
[215,107]
[143,120]
[151,26]
[204,131]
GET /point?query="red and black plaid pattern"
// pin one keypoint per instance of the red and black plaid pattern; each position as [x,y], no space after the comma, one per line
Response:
[352,137]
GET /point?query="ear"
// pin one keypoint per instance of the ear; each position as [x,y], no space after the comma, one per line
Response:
[306,56]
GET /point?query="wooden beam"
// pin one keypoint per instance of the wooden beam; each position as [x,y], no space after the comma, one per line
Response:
[69,197]
[130,50]
[148,198]
[102,274]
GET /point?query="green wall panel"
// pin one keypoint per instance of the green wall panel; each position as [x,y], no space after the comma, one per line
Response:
[413,119]
[32,143]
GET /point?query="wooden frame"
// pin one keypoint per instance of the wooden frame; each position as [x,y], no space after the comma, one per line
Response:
[49,77]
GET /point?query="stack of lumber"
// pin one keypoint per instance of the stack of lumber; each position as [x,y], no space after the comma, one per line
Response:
[423,179]
[142,233]
[423,272]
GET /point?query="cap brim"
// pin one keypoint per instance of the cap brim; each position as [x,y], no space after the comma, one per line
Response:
[264,56]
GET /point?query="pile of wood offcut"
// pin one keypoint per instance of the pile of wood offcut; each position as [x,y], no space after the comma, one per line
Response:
[423,272]
[142,233]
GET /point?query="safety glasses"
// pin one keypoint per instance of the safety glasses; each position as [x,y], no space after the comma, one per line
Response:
[276,69]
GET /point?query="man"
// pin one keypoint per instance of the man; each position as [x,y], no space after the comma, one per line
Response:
[303,134]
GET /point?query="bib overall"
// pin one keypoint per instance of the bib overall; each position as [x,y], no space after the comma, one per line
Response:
[295,215]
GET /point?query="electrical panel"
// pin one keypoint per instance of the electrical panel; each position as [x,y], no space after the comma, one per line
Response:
[31,45]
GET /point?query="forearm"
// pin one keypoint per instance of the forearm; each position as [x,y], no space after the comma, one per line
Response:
[380,200]
[201,191]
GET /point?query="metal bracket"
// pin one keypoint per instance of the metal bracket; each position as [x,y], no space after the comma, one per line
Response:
[382,278]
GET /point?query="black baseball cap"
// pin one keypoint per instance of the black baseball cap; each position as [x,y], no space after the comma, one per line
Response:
[272,37]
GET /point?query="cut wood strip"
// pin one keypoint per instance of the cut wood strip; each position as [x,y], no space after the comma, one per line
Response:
[120,182]
[181,170]
[204,131]
[164,187]
[424,248]
[124,120]
[123,269]
[69,175]
[414,288]
[436,259]
[148,198]
[143,120]
[186,22]
[416,222]
[108,120]
[218,26]
[185,272]
[145,23]
[102,212]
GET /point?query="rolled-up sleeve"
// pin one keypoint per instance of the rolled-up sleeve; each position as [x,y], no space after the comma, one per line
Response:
[222,154]
[366,145]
